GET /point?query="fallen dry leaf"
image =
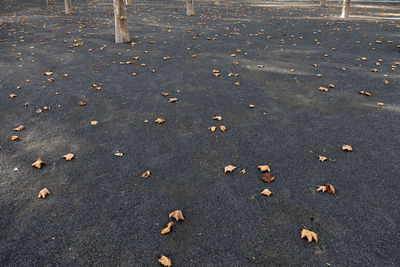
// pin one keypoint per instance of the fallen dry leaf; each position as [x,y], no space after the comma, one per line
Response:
[264,168]
[146,174]
[266,192]
[165,261]
[309,235]
[365,93]
[229,168]
[266,177]
[43,193]
[347,148]
[167,229]
[171,100]
[326,188]
[82,103]
[93,122]
[68,156]
[38,163]
[323,89]
[159,120]
[243,171]
[177,215]
[165,94]
[19,128]
[218,118]
[12,95]
[14,137]
[252,106]
[118,154]
[380,104]
[212,128]
[322,158]
[48,73]
[222,128]
[331,86]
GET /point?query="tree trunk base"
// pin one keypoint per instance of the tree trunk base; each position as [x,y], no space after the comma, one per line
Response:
[121,24]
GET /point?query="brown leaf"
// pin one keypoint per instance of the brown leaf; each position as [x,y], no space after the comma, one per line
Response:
[330,189]
[165,94]
[93,122]
[19,128]
[38,163]
[347,148]
[48,73]
[43,193]
[309,235]
[165,261]
[243,171]
[266,177]
[218,118]
[159,120]
[69,156]
[146,174]
[118,154]
[266,192]
[167,229]
[14,137]
[252,106]
[380,104]
[264,168]
[171,100]
[177,215]
[12,95]
[323,89]
[229,168]
[81,103]
[331,86]
[322,158]
[222,128]
[212,128]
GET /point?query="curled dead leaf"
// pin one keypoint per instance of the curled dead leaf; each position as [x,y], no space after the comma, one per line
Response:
[12,95]
[229,168]
[167,229]
[38,163]
[266,192]
[322,158]
[118,154]
[309,235]
[159,120]
[326,188]
[212,128]
[218,118]
[19,128]
[48,73]
[165,261]
[93,122]
[82,103]
[14,137]
[171,100]
[266,177]
[222,128]
[146,174]
[252,106]
[264,168]
[380,104]
[43,193]
[177,215]
[347,148]
[68,156]
[323,89]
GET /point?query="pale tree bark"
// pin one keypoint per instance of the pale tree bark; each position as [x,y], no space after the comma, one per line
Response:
[217,2]
[189,8]
[128,2]
[68,7]
[121,24]
[346,9]
[47,2]
[323,3]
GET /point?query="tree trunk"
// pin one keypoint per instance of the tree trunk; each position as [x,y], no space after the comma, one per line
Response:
[121,25]
[323,3]
[128,2]
[47,2]
[346,9]
[68,7]
[189,8]
[217,3]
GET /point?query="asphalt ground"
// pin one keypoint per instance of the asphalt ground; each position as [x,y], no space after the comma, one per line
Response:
[101,212]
